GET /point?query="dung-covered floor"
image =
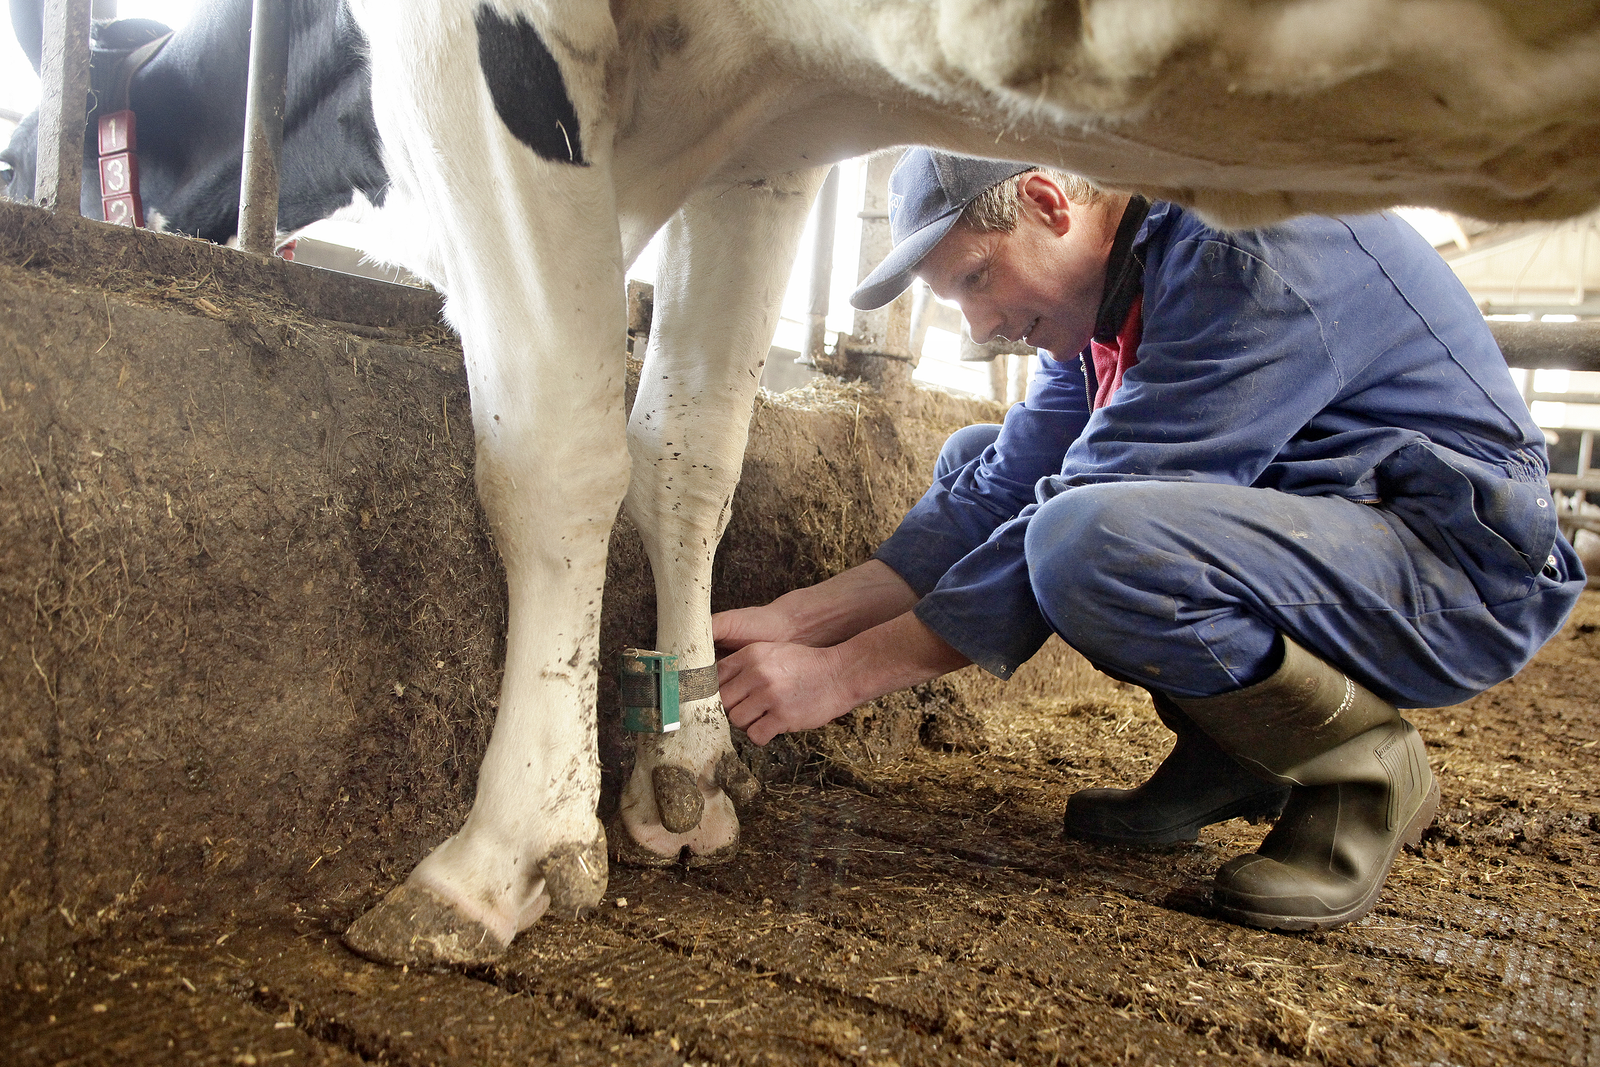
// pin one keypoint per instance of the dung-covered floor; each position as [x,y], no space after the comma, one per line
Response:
[249,641]
[926,911]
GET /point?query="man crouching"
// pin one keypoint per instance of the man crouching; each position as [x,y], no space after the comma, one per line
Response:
[1281,479]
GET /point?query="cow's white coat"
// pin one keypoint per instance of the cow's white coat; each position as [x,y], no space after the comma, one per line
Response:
[713,118]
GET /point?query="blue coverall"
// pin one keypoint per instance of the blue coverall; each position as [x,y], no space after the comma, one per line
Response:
[1320,438]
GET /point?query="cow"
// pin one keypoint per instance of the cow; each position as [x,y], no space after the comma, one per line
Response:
[533,147]
[188,90]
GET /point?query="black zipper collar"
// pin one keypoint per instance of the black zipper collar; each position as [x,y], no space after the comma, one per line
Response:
[1124,272]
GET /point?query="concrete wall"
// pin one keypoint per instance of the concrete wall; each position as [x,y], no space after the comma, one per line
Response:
[250,617]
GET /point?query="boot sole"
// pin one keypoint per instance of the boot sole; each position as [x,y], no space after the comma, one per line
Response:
[1412,835]
[1251,809]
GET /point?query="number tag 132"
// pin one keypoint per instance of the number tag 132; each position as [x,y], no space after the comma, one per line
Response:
[119,170]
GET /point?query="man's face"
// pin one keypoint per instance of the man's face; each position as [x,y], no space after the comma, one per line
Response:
[1040,283]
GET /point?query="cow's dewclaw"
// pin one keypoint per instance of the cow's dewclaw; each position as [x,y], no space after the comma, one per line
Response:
[412,925]
[678,798]
[575,878]
[736,780]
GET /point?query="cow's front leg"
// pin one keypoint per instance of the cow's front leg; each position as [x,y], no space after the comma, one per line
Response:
[725,262]
[518,200]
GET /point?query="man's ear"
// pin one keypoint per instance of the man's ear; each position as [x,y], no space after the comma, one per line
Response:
[1044,199]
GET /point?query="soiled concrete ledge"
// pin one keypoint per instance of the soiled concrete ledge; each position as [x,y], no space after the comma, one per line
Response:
[88,252]
[250,617]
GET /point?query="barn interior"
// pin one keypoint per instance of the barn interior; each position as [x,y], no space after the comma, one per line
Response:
[251,641]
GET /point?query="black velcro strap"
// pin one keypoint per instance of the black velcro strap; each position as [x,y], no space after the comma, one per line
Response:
[639,690]
[697,684]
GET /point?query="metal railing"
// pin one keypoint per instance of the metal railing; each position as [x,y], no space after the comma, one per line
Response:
[263,125]
[64,71]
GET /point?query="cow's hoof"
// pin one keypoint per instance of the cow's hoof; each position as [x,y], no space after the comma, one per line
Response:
[630,853]
[412,925]
[715,856]
[647,842]
[575,878]
[678,798]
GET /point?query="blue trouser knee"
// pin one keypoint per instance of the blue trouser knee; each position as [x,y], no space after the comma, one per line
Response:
[964,446]
[1184,587]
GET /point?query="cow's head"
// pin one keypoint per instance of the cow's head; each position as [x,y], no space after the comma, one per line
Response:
[20,157]
[19,160]
[110,41]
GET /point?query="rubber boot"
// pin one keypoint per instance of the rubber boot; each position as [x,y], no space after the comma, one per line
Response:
[1196,785]
[1360,791]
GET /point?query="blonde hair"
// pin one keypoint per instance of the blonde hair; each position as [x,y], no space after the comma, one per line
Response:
[996,209]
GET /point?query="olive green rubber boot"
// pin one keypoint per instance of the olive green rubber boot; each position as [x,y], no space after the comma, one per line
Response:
[1361,791]
[1196,785]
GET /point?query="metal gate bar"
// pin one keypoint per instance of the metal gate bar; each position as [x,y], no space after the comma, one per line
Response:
[263,126]
[64,69]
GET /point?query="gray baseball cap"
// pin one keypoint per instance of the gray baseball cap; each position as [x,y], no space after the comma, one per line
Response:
[928,191]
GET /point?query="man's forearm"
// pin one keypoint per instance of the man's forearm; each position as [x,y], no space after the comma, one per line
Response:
[893,655]
[850,603]
[822,614]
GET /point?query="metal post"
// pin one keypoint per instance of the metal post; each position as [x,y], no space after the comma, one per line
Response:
[924,306]
[816,331]
[1585,458]
[64,70]
[263,125]
[1021,372]
[1580,292]
[878,350]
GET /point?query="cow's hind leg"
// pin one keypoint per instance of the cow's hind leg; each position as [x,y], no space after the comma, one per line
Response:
[518,198]
[725,261]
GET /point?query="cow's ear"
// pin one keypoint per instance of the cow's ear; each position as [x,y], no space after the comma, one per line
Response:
[27,20]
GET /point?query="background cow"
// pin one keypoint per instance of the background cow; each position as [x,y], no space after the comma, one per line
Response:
[190,104]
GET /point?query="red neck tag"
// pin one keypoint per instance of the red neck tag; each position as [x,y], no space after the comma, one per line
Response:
[119,169]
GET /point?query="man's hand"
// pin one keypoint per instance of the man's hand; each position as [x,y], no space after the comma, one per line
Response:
[770,689]
[773,688]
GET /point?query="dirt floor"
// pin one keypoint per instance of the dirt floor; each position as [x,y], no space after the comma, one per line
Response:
[926,911]
[248,637]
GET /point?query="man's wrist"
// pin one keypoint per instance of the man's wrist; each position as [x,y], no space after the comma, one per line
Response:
[804,613]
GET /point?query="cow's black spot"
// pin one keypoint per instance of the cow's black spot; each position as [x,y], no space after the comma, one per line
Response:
[527,88]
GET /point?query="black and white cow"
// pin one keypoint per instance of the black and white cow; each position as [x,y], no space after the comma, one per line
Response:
[535,146]
[189,99]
